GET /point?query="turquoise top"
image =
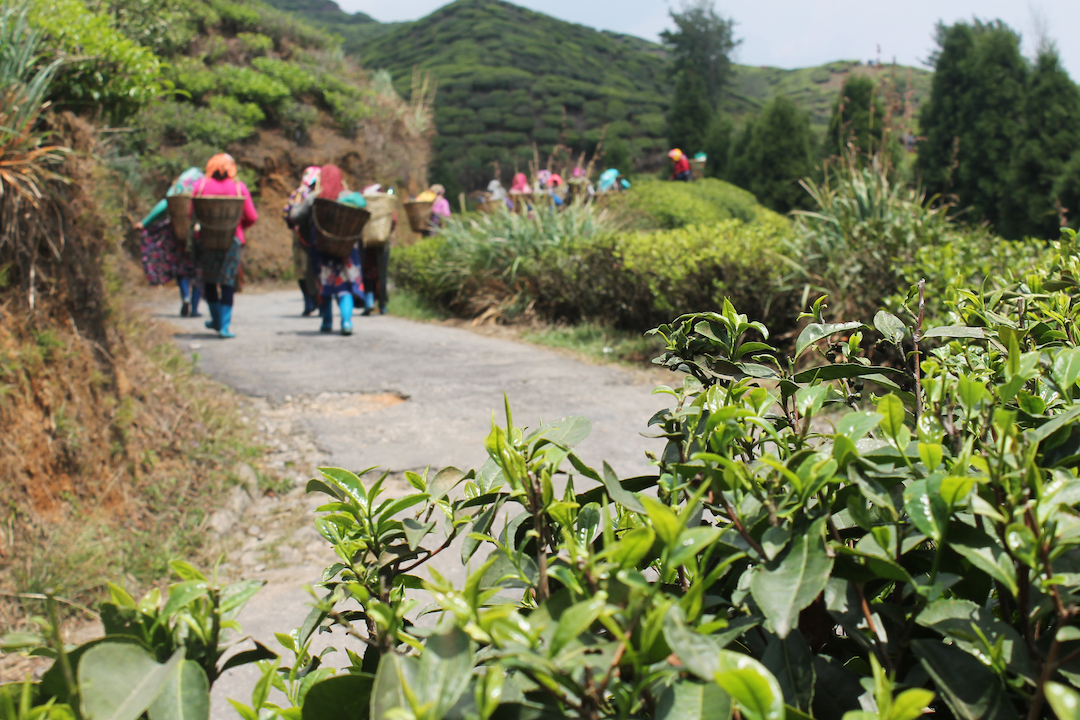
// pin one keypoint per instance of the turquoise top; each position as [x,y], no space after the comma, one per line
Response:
[182,184]
[155,213]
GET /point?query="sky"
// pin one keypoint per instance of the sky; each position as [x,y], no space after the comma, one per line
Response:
[803,33]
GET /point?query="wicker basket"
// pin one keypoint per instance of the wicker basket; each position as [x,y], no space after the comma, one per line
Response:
[697,169]
[218,217]
[419,216]
[381,224]
[489,207]
[521,202]
[180,216]
[338,227]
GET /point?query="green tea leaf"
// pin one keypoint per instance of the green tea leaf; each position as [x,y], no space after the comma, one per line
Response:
[1064,701]
[969,688]
[688,700]
[186,695]
[818,331]
[750,685]
[891,327]
[855,425]
[783,589]
[575,620]
[119,681]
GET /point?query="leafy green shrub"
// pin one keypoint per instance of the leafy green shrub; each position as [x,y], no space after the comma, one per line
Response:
[180,123]
[104,71]
[573,265]
[822,538]
[297,78]
[654,204]
[256,44]
[250,85]
[193,76]
[247,114]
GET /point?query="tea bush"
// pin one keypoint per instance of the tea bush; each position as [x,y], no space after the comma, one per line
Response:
[574,264]
[652,204]
[837,540]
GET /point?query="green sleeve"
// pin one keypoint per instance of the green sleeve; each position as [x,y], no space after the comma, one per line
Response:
[155,214]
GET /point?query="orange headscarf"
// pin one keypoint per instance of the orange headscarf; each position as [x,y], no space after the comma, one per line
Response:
[221,166]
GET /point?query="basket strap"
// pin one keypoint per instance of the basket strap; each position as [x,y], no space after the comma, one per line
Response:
[330,235]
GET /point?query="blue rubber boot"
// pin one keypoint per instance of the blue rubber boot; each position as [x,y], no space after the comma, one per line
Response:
[345,304]
[369,302]
[226,321]
[326,311]
[214,323]
[196,296]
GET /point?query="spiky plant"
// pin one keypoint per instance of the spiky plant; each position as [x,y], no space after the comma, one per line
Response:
[26,162]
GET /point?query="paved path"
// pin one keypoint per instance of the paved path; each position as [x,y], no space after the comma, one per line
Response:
[452,379]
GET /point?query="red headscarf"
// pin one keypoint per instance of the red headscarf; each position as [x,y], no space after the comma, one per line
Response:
[330,182]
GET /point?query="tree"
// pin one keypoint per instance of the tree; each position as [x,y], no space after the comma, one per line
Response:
[702,43]
[1067,192]
[690,113]
[717,145]
[857,118]
[1048,137]
[973,115]
[775,151]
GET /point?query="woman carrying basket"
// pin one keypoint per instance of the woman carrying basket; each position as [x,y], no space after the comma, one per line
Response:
[336,277]
[164,255]
[305,273]
[220,267]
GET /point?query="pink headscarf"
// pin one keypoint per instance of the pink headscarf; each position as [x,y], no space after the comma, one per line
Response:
[521,184]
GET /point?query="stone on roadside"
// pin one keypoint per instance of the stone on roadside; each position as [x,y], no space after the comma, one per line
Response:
[239,500]
[222,521]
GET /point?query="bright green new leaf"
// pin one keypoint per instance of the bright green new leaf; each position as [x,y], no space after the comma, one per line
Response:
[664,520]
[1064,700]
[855,425]
[891,327]
[749,684]
[688,700]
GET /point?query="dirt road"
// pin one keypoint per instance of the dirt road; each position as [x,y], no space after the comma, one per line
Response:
[397,394]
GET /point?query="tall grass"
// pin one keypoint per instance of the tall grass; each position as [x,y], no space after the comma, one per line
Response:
[24,158]
[866,229]
[475,264]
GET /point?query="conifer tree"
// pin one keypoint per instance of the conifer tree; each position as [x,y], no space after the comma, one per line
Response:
[776,152]
[690,113]
[718,143]
[857,118]
[1067,192]
[973,115]
[1049,136]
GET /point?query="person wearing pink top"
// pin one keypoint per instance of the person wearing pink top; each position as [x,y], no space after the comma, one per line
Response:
[220,267]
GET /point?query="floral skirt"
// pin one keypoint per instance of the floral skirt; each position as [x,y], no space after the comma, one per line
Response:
[337,277]
[219,267]
[162,259]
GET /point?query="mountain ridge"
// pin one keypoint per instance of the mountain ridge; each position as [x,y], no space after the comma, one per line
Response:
[510,77]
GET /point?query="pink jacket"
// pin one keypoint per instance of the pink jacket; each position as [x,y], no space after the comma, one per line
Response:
[210,186]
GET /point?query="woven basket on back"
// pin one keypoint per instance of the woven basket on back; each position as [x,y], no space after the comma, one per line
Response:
[521,202]
[180,216]
[419,216]
[378,228]
[697,169]
[337,226]
[218,217]
[490,206]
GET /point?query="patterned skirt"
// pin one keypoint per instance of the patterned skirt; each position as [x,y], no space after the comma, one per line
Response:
[219,267]
[337,277]
[162,258]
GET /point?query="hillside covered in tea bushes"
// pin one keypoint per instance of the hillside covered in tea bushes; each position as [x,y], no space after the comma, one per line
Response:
[509,77]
